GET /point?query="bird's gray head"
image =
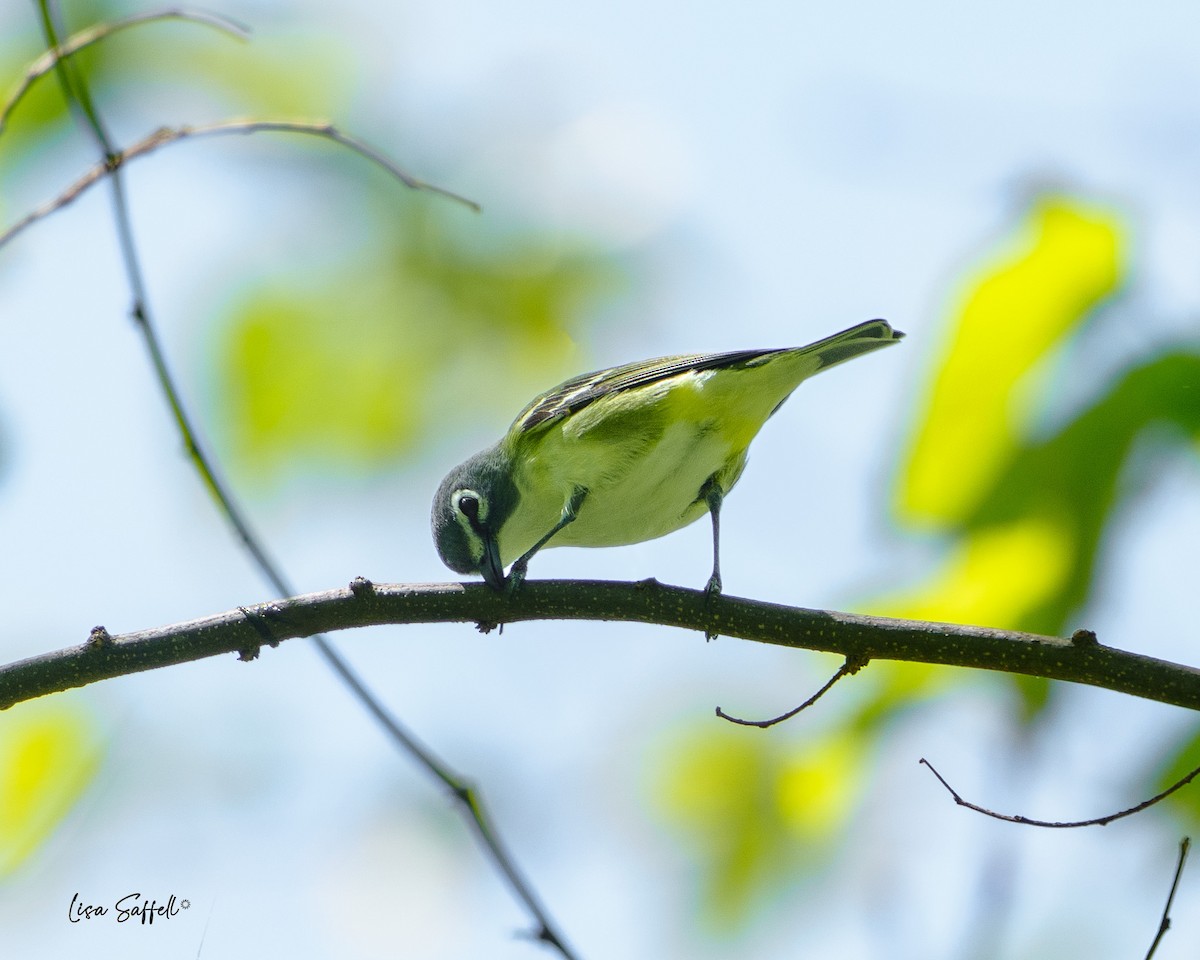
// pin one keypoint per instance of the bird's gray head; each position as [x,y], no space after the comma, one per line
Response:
[469,509]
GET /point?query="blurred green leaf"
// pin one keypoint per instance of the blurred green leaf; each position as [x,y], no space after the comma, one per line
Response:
[1075,475]
[1026,556]
[320,377]
[753,814]
[284,75]
[423,326]
[354,367]
[44,105]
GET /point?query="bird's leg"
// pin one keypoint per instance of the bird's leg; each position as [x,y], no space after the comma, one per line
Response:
[516,575]
[714,495]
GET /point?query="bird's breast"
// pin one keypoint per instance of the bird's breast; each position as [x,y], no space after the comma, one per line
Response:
[639,488]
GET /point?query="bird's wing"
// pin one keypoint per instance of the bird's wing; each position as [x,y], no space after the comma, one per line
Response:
[575,394]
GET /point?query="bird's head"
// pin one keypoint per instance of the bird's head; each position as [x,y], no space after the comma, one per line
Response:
[469,509]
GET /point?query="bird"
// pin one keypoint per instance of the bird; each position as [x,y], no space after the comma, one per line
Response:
[623,455]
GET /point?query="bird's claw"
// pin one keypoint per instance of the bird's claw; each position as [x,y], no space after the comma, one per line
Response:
[711,590]
[516,577]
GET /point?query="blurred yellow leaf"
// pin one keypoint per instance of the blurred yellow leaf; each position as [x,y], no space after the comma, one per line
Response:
[994,576]
[1025,557]
[48,756]
[754,814]
[818,786]
[1069,255]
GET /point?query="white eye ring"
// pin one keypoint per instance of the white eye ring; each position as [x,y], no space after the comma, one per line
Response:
[469,504]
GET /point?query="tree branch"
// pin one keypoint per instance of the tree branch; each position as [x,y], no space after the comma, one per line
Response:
[852,665]
[1165,923]
[1061,824]
[1079,659]
[93,34]
[167,135]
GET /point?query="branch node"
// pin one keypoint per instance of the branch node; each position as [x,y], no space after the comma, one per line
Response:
[362,587]
[711,632]
[487,626]
[1084,638]
[855,662]
[99,637]
[262,628]
[543,934]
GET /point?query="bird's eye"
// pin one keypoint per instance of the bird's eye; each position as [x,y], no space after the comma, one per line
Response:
[468,505]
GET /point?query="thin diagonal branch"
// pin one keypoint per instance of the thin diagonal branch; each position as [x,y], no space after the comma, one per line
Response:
[168,135]
[75,90]
[100,31]
[1165,923]
[80,100]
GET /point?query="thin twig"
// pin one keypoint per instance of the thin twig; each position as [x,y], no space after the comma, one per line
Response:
[100,31]
[1063,824]
[78,96]
[852,665]
[1165,923]
[167,135]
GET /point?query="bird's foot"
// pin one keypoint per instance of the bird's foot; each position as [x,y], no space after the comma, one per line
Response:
[711,591]
[516,577]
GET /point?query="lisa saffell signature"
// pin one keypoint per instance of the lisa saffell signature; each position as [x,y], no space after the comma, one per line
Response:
[131,907]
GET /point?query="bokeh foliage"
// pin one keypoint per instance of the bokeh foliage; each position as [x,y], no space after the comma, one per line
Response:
[1020,481]
[429,318]
[353,364]
[414,335]
[50,750]
[49,754]
[756,813]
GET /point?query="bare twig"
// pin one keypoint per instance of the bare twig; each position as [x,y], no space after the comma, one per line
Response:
[1063,824]
[852,665]
[79,98]
[168,135]
[100,31]
[1165,923]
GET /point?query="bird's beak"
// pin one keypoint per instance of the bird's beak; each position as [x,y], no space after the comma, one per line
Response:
[490,565]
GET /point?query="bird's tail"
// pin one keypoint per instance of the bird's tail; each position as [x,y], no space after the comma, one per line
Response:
[850,343]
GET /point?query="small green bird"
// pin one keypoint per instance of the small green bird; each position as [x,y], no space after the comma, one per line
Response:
[624,455]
